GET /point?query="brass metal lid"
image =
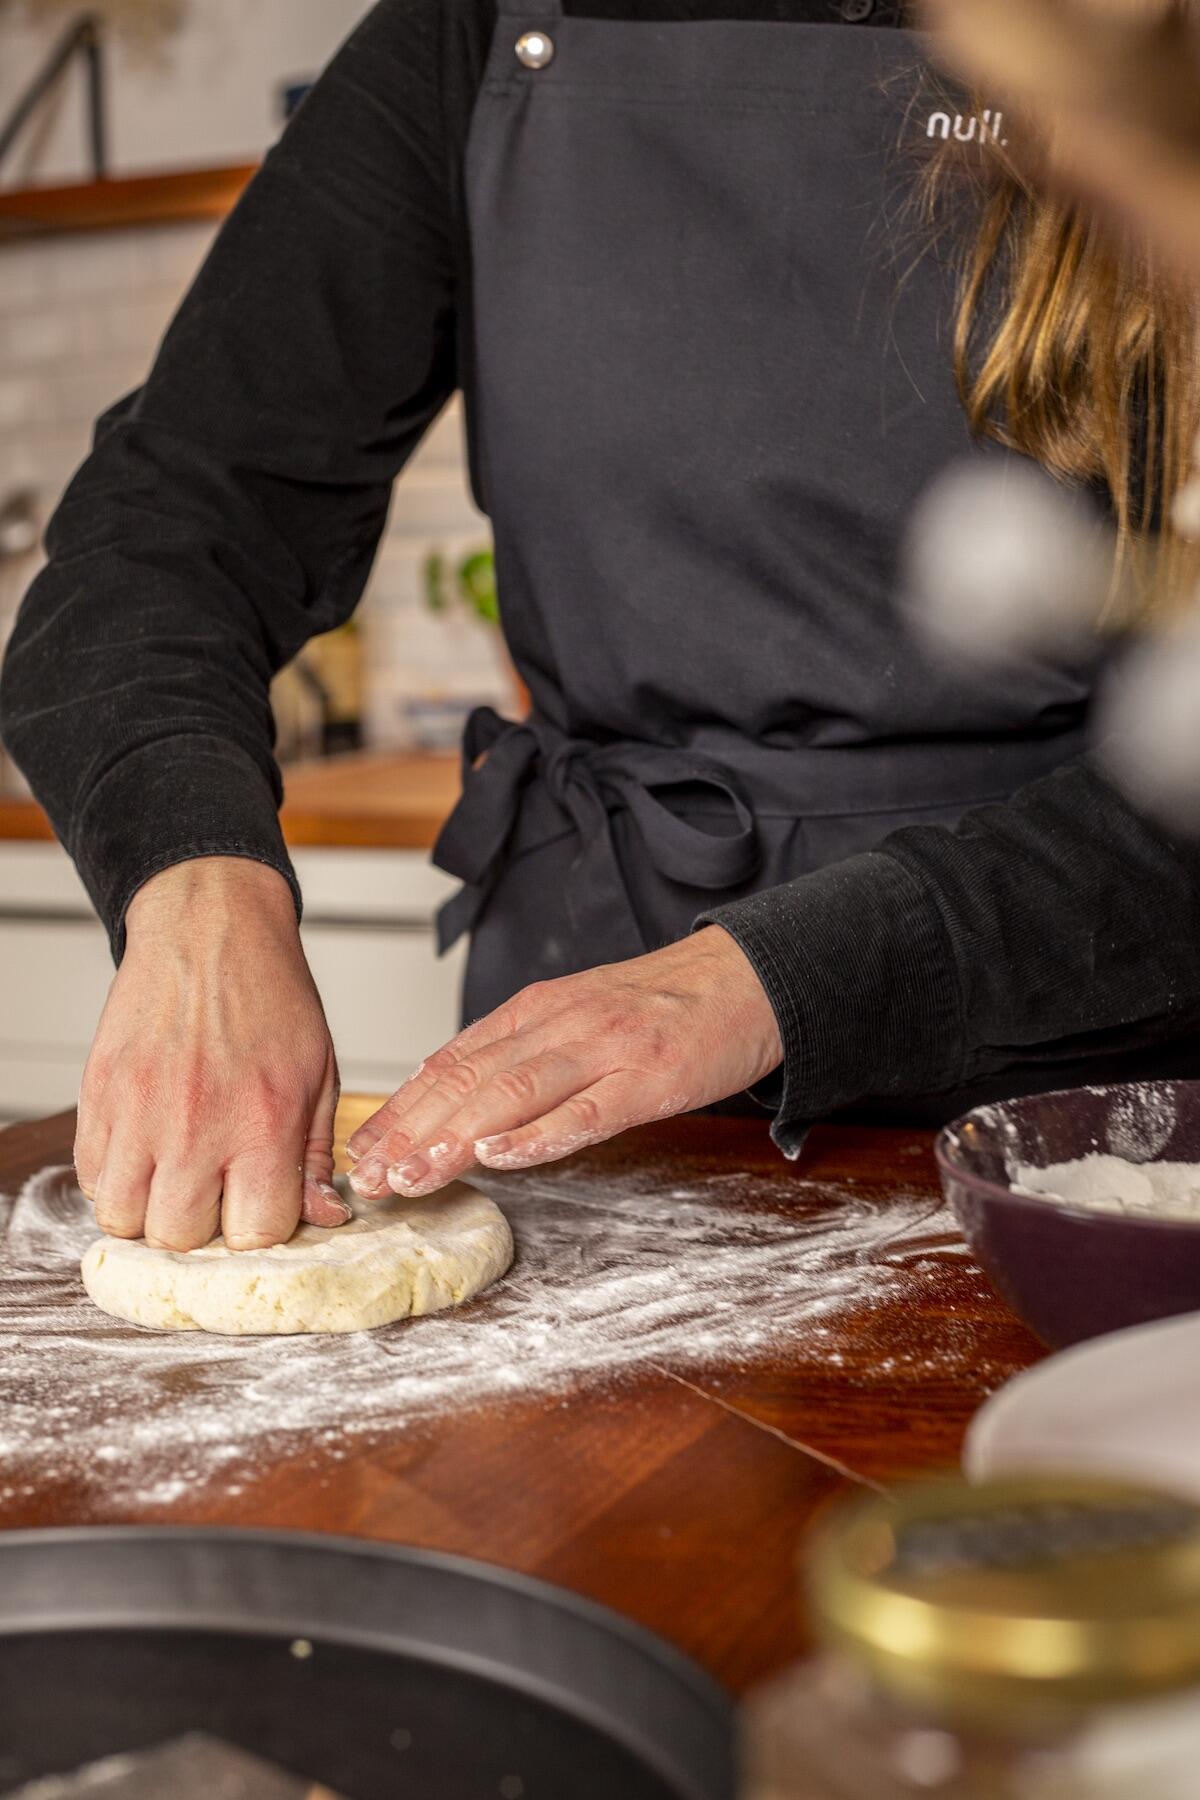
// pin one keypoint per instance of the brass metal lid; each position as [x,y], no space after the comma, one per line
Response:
[1044,1593]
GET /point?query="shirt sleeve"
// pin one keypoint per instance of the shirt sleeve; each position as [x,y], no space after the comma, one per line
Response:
[232,506]
[1060,922]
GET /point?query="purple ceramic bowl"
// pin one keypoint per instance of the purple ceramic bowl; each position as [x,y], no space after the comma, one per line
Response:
[1073,1272]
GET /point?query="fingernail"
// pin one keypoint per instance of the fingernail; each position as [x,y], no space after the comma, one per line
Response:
[369,1173]
[334,1202]
[410,1174]
[512,1153]
[249,1240]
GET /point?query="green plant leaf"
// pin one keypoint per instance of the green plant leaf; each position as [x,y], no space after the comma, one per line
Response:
[477,584]
[434,576]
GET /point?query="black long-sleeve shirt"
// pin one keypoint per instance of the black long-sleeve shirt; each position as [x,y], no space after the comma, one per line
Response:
[231,508]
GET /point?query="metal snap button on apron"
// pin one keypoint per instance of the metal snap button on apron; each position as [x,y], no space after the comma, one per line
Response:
[855,11]
[535,49]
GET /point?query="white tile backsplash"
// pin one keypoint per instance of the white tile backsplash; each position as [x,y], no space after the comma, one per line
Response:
[431,499]
[23,282]
[23,400]
[106,262]
[79,393]
[46,336]
[128,323]
[443,445]
[81,318]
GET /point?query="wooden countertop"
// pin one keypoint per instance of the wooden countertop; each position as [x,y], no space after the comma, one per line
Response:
[676,1495]
[359,801]
[370,802]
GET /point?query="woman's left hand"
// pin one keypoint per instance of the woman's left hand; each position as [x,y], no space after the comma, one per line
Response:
[571,1062]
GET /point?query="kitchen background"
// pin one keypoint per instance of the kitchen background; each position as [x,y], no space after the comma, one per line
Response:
[204,85]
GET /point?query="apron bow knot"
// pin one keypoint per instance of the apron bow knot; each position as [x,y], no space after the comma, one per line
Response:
[588,781]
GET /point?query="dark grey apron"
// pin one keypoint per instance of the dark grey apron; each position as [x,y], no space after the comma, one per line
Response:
[712,376]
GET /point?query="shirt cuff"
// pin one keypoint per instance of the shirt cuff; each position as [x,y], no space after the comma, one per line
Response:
[169,802]
[859,968]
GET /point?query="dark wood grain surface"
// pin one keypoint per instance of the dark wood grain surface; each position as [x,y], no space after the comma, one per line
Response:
[676,1495]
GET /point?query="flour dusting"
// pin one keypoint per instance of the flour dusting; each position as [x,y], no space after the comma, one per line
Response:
[1141,1121]
[611,1273]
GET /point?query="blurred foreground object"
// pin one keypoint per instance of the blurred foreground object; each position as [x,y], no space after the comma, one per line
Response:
[1003,562]
[1109,94]
[195,1767]
[1005,565]
[1148,724]
[1036,1639]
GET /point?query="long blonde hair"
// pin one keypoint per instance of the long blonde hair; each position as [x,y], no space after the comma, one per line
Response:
[1072,347]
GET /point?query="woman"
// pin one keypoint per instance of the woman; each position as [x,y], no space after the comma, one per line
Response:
[707,369]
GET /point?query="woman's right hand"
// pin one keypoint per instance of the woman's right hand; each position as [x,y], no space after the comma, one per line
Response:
[208,1099]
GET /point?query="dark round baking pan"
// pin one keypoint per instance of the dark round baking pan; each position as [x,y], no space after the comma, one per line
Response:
[379,1671]
[1073,1272]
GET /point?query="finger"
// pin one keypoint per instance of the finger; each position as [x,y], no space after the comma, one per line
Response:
[599,1112]
[447,1081]
[457,1084]
[511,1098]
[91,1146]
[454,1083]
[261,1204]
[92,1127]
[494,1027]
[320,1202]
[184,1209]
[123,1189]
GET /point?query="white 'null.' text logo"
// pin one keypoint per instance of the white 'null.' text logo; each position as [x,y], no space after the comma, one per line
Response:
[967,127]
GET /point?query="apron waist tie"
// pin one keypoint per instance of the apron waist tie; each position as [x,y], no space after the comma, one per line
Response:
[588,781]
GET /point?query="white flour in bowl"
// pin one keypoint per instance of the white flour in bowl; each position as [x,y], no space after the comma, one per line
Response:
[611,1272]
[1111,1184]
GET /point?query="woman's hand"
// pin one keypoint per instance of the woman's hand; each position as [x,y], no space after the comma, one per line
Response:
[208,1099]
[572,1062]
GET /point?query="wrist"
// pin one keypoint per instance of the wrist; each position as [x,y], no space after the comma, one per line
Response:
[210,889]
[747,999]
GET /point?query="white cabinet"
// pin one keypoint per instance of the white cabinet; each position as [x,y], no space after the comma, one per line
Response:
[368,932]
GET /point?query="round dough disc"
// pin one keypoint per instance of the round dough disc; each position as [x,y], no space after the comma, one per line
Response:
[400,1257]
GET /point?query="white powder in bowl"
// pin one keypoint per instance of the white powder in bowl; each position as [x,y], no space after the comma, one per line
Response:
[1111,1184]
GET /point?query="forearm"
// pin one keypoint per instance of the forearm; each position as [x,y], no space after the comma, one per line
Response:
[139,764]
[231,508]
[945,955]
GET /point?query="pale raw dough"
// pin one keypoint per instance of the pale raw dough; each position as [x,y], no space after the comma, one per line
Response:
[400,1257]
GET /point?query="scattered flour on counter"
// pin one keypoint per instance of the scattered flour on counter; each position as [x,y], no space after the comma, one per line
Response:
[610,1273]
[1111,1184]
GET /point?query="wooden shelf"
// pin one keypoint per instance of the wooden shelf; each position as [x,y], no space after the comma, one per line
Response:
[118,204]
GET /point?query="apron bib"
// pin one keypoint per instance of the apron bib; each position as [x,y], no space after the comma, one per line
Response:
[713,373]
